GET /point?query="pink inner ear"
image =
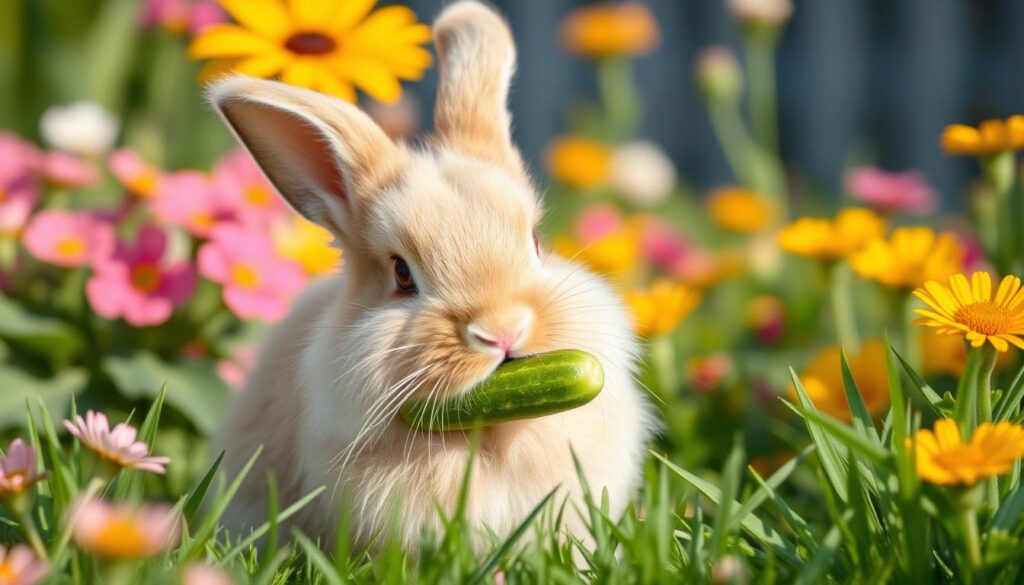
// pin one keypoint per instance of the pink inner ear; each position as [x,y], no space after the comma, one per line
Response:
[296,157]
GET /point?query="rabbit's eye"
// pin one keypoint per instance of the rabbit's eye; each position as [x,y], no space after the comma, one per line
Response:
[403,276]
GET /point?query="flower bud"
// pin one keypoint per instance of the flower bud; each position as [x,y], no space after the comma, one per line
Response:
[718,74]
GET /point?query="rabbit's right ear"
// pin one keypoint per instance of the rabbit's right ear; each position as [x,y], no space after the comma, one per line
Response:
[325,156]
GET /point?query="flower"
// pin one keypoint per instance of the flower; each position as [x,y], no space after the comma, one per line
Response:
[579,162]
[399,120]
[237,178]
[138,177]
[968,309]
[825,239]
[137,284]
[67,171]
[117,446]
[729,570]
[892,192]
[761,11]
[766,317]
[662,246]
[122,531]
[307,244]
[990,137]
[607,30]
[199,574]
[181,15]
[20,566]
[642,172]
[909,258]
[659,309]
[603,241]
[822,379]
[256,282]
[18,189]
[331,47]
[739,210]
[946,354]
[68,238]
[235,369]
[82,128]
[191,200]
[703,268]
[18,469]
[718,74]
[944,459]
[708,373]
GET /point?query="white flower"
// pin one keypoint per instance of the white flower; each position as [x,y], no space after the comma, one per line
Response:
[82,128]
[643,173]
[766,11]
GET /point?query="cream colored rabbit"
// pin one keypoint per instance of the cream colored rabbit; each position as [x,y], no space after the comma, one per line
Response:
[443,280]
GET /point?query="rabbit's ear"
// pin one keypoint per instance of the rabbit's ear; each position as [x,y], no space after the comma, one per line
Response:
[477,57]
[324,155]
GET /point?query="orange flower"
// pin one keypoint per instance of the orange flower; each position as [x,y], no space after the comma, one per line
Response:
[579,162]
[825,239]
[990,137]
[969,310]
[943,457]
[739,210]
[659,309]
[607,30]
[823,380]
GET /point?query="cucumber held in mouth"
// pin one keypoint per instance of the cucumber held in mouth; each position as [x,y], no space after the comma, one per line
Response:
[523,388]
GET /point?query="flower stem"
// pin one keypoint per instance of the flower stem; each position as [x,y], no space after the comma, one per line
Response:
[1000,171]
[843,310]
[28,528]
[988,364]
[759,45]
[663,358]
[972,541]
[619,97]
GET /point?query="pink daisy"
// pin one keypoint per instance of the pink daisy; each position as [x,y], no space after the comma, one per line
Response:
[135,175]
[181,15]
[137,284]
[662,246]
[18,469]
[68,238]
[234,369]
[67,171]
[892,192]
[20,566]
[122,531]
[190,199]
[256,282]
[237,177]
[597,222]
[117,446]
[19,161]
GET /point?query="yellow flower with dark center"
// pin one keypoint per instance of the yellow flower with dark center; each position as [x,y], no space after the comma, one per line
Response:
[909,258]
[969,310]
[579,162]
[307,244]
[332,47]
[739,210]
[944,458]
[610,29]
[990,137]
[659,309]
[823,380]
[825,239]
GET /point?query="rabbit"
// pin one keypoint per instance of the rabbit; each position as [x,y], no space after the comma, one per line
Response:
[443,280]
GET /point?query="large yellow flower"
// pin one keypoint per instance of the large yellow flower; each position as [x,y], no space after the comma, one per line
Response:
[990,137]
[909,258]
[608,29]
[579,162]
[739,210]
[659,309]
[968,309]
[307,244]
[823,379]
[943,458]
[333,47]
[825,239]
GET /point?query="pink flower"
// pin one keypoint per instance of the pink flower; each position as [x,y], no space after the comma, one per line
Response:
[138,177]
[68,171]
[68,238]
[199,574]
[122,531]
[190,199]
[20,566]
[234,369]
[708,373]
[116,446]
[237,177]
[664,247]
[597,222]
[136,283]
[19,161]
[18,469]
[257,283]
[179,15]
[891,192]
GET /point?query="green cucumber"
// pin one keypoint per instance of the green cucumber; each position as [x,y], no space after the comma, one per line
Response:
[522,388]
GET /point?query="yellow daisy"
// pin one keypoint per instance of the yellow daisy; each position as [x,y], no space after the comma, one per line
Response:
[332,47]
[307,244]
[579,162]
[943,458]
[825,239]
[739,210]
[909,258]
[990,137]
[609,29]
[659,309]
[969,309]
[822,379]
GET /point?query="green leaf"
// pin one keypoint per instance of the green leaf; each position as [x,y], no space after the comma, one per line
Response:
[831,452]
[195,500]
[1011,399]
[485,569]
[1010,511]
[931,398]
[845,434]
[46,336]
[860,414]
[193,387]
[814,570]
[768,486]
[727,501]
[319,559]
[17,388]
[966,407]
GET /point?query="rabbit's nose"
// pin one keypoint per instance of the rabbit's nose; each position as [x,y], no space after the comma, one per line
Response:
[505,331]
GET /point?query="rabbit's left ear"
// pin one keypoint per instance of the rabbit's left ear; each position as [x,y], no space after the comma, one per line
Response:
[325,156]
